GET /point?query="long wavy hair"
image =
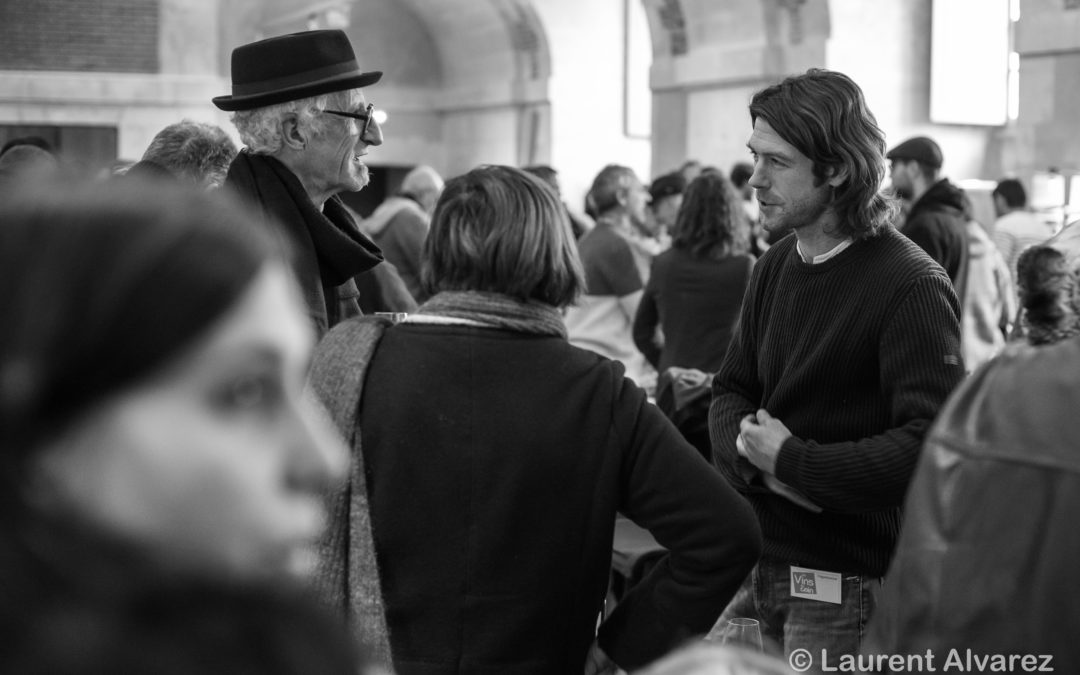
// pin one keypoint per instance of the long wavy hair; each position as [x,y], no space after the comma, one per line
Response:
[711,222]
[824,115]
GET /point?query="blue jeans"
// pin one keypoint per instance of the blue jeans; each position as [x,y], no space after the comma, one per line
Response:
[798,623]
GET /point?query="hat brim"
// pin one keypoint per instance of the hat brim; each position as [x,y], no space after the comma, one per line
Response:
[325,86]
[903,157]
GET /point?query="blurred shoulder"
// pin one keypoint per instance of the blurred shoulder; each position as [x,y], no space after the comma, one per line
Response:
[602,240]
[1020,405]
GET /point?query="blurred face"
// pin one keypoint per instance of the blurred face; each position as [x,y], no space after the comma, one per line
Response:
[215,462]
[429,197]
[332,161]
[636,202]
[900,174]
[787,191]
[666,209]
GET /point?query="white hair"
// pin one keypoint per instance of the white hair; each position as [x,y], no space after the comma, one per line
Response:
[260,128]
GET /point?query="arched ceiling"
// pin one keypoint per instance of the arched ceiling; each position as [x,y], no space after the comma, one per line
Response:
[457,44]
[486,40]
[680,27]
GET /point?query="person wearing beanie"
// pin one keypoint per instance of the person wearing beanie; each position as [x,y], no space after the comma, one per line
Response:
[935,215]
[665,198]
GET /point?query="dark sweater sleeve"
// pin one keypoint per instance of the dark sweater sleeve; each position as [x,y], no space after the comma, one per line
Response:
[736,393]
[710,532]
[645,322]
[920,365]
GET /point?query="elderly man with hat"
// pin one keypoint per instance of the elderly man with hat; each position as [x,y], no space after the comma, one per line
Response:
[297,103]
[935,207]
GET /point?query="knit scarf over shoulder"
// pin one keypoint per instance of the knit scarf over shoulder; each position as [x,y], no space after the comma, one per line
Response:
[347,572]
[491,310]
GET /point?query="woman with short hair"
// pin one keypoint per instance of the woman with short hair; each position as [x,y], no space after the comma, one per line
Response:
[495,456]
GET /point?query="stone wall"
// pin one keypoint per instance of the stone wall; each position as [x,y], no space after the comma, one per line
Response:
[118,36]
[711,58]
[519,81]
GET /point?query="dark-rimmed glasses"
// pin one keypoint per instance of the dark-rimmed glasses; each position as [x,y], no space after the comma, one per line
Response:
[365,117]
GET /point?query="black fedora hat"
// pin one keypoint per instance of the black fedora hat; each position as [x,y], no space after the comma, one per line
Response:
[294,66]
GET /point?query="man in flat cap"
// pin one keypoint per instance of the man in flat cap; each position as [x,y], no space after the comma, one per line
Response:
[935,216]
[665,199]
[298,105]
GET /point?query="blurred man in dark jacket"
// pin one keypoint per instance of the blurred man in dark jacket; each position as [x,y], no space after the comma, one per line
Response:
[935,219]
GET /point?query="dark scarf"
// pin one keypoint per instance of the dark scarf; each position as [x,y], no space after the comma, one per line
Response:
[494,310]
[329,249]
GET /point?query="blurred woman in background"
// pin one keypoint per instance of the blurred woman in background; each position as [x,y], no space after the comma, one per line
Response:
[693,299]
[696,287]
[162,478]
[496,455]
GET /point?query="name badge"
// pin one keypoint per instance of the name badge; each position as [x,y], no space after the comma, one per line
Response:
[815,585]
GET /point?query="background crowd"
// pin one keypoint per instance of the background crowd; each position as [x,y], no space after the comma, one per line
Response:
[245,429]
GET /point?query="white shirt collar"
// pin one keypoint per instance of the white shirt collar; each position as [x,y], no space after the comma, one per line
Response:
[818,259]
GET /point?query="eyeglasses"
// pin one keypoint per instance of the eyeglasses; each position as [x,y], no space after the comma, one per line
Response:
[365,117]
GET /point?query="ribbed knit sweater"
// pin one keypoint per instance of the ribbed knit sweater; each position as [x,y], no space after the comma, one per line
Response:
[855,356]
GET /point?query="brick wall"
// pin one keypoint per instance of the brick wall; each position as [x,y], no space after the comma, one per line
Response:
[117,36]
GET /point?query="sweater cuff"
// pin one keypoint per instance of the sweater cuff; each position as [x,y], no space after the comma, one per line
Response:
[788,460]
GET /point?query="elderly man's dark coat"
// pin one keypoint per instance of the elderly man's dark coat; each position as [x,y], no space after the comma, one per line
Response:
[328,250]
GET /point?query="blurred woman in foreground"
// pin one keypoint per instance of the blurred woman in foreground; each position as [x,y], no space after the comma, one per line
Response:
[161,476]
[496,456]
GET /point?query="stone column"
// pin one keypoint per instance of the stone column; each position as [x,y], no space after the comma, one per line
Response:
[709,59]
[1048,41]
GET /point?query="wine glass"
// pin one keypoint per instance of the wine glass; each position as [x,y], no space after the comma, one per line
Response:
[743,632]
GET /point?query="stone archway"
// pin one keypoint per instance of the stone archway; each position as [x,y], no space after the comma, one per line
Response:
[474,72]
[709,57]
[493,100]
